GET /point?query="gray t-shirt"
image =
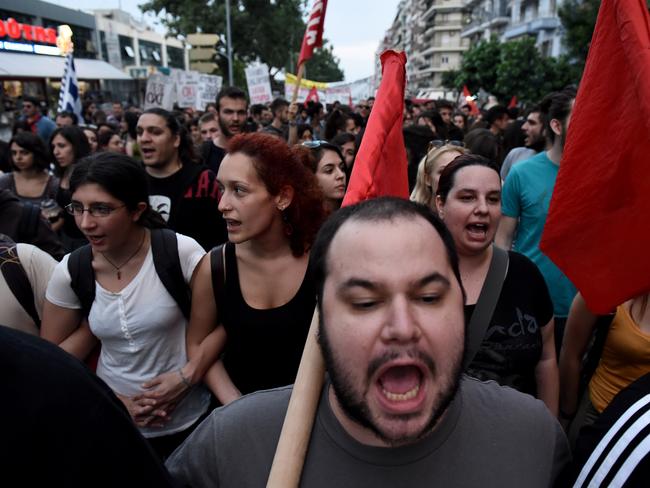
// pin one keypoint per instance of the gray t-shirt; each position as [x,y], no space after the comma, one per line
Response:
[516,155]
[490,436]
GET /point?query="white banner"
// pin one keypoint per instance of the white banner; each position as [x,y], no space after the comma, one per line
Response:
[187,91]
[259,85]
[161,92]
[208,88]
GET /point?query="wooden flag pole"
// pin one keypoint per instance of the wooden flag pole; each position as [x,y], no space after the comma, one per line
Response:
[301,412]
[298,80]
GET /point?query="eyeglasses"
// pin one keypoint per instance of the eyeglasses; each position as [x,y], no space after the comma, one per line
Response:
[315,144]
[436,143]
[95,209]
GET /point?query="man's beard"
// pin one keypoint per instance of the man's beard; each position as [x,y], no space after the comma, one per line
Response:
[224,128]
[355,406]
[538,145]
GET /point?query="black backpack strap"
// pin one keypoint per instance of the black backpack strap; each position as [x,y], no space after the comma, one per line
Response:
[218,272]
[29,220]
[487,302]
[164,247]
[17,280]
[82,276]
[188,180]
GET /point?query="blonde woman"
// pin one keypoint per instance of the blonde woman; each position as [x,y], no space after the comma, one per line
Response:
[439,155]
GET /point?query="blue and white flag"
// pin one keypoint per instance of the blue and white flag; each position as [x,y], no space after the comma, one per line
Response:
[69,100]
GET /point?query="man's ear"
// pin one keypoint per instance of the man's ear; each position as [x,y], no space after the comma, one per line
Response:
[556,127]
[285,197]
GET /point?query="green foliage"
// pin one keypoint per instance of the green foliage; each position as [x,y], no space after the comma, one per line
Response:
[323,66]
[578,18]
[513,68]
[264,30]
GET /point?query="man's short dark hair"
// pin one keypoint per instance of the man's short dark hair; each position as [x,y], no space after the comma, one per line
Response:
[69,115]
[556,106]
[495,113]
[278,104]
[231,92]
[444,104]
[207,117]
[375,210]
[257,109]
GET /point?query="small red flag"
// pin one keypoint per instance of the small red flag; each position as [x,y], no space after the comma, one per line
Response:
[380,168]
[513,102]
[312,96]
[470,101]
[314,32]
[597,229]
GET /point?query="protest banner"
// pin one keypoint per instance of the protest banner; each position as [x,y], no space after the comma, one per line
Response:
[259,84]
[188,89]
[208,88]
[330,92]
[161,92]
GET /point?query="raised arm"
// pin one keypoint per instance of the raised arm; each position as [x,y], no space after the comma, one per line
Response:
[579,329]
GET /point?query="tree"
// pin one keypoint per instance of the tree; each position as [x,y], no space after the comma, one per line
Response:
[578,18]
[262,30]
[513,68]
[323,66]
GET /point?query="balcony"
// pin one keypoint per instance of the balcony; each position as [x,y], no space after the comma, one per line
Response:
[479,25]
[531,27]
[442,6]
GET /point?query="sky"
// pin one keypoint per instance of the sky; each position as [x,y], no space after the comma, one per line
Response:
[353,27]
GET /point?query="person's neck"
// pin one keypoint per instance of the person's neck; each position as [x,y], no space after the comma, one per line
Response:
[554,153]
[221,140]
[168,169]
[135,242]
[272,244]
[277,123]
[31,174]
[473,270]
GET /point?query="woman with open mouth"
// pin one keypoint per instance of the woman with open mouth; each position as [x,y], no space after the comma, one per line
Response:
[517,348]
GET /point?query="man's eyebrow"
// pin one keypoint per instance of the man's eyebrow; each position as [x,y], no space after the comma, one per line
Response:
[358,282]
[434,277]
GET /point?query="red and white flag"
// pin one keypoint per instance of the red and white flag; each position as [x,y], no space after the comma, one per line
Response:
[314,32]
[597,229]
[470,101]
[312,96]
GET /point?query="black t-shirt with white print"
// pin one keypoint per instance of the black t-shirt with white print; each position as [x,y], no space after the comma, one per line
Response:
[512,345]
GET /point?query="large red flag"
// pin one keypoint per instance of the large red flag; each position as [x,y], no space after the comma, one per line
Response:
[380,168]
[314,32]
[598,228]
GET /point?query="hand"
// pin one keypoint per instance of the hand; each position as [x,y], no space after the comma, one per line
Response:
[293,111]
[164,389]
[141,411]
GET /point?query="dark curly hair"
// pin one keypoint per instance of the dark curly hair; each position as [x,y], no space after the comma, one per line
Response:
[35,145]
[277,166]
[76,137]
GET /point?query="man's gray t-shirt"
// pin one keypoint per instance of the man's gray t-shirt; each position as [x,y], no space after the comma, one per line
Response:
[490,436]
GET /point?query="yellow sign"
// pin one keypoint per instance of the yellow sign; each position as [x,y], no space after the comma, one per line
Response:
[291,80]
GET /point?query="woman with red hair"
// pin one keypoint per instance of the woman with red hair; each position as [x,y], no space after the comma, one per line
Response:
[253,298]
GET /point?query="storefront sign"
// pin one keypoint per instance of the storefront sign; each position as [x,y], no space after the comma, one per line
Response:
[33,33]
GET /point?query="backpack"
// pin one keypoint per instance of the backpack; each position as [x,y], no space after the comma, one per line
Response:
[164,248]
[30,219]
[16,278]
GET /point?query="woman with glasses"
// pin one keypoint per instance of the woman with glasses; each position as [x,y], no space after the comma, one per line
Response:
[254,294]
[326,161]
[68,145]
[439,155]
[517,347]
[139,325]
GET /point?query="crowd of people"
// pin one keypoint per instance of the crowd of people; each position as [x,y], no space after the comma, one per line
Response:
[181,257]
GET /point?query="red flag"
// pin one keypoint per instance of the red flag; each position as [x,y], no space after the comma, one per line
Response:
[380,165]
[312,96]
[597,229]
[513,102]
[314,32]
[470,101]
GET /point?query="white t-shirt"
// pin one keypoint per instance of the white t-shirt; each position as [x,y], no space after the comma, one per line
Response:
[142,332]
[38,266]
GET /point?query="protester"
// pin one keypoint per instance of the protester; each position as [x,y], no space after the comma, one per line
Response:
[25,272]
[483,143]
[184,192]
[63,426]
[130,134]
[279,125]
[38,123]
[429,169]
[140,326]
[534,141]
[30,179]
[64,119]
[91,135]
[394,410]
[346,142]
[68,145]
[110,141]
[208,127]
[326,161]
[518,348]
[460,120]
[304,133]
[625,357]
[526,198]
[263,295]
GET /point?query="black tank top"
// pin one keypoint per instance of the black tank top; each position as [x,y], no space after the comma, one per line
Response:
[264,347]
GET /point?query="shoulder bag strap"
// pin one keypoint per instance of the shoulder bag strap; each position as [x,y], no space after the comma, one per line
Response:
[218,272]
[487,302]
[17,280]
[164,248]
[82,276]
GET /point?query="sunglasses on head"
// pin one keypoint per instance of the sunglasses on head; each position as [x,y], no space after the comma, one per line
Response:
[436,143]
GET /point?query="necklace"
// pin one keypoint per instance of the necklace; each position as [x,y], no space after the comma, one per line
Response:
[118,268]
